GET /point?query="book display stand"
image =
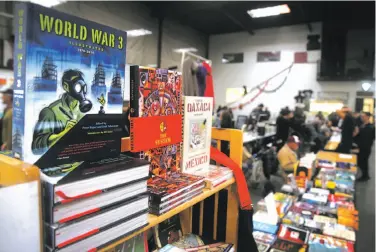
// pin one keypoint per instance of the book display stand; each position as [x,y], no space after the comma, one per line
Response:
[15,172]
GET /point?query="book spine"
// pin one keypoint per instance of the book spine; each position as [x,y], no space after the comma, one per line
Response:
[19,63]
[134,77]
[181,145]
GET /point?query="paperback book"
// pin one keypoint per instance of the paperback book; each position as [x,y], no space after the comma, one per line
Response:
[68,91]
[156,97]
[197,133]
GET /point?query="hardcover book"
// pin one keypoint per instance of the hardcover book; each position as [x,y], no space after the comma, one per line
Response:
[156,97]
[104,238]
[68,91]
[163,189]
[61,235]
[197,133]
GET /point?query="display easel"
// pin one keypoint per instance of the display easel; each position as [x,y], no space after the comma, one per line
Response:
[235,137]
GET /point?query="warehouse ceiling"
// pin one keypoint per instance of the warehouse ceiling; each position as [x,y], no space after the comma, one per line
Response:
[217,17]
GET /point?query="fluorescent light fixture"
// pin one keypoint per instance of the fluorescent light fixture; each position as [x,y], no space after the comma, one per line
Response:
[181,50]
[48,3]
[224,61]
[152,65]
[366,86]
[138,33]
[269,11]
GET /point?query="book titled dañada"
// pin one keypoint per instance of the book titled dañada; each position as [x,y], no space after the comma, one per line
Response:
[68,87]
[197,133]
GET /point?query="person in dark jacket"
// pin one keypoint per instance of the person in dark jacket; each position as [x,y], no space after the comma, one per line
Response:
[283,127]
[347,130]
[226,123]
[365,141]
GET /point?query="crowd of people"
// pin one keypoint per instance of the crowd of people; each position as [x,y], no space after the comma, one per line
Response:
[295,136]
[357,135]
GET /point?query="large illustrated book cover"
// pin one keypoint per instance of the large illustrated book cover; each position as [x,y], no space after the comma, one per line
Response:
[68,87]
[197,133]
[156,93]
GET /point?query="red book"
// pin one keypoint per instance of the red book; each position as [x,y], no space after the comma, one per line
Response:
[156,93]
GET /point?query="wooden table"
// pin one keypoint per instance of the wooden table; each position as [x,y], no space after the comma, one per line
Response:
[333,142]
[251,137]
[337,157]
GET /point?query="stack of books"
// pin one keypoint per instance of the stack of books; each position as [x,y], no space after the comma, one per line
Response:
[101,201]
[215,175]
[166,194]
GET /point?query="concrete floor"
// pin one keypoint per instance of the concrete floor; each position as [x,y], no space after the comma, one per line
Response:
[365,203]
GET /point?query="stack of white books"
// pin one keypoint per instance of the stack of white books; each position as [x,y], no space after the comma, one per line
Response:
[95,204]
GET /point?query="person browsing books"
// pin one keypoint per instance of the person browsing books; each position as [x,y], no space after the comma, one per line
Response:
[287,155]
[62,115]
[365,140]
[347,130]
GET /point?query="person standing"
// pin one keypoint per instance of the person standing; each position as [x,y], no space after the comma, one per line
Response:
[365,141]
[6,121]
[347,130]
[283,127]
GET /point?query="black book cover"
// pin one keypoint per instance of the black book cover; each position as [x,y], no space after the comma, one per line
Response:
[168,231]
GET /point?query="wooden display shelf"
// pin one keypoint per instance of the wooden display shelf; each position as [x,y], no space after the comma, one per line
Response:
[155,220]
[235,138]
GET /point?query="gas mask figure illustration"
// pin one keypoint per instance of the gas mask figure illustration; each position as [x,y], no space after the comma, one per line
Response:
[59,117]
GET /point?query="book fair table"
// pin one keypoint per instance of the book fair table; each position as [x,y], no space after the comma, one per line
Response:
[333,142]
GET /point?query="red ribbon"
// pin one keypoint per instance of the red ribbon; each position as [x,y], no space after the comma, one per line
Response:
[243,193]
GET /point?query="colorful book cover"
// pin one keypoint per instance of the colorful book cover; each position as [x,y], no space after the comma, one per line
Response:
[264,237]
[318,243]
[68,91]
[287,246]
[189,241]
[215,175]
[262,247]
[293,234]
[161,189]
[168,231]
[157,92]
[215,247]
[138,243]
[197,133]
[264,227]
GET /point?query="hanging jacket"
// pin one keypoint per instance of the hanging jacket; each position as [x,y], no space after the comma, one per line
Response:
[209,90]
[201,80]
[190,86]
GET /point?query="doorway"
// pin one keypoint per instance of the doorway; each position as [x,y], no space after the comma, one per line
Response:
[366,104]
